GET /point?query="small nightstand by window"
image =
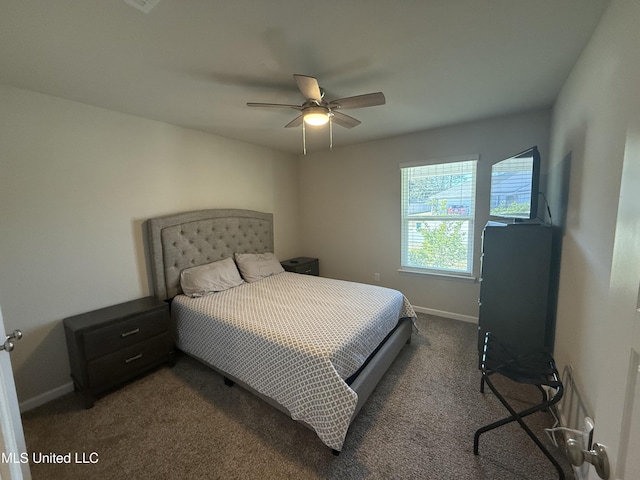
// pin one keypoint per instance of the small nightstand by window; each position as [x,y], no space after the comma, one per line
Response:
[304,265]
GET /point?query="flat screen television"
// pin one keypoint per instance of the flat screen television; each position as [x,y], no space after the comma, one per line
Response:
[514,186]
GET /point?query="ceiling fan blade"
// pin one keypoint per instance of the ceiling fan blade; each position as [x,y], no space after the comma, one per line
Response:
[344,120]
[273,105]
[296,122]
[359,101]
[308,87]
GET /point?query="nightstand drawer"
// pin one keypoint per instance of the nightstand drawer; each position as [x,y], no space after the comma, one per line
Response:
[122,334]
[112,369]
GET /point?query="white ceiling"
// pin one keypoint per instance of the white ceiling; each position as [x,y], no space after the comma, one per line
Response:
[196,63]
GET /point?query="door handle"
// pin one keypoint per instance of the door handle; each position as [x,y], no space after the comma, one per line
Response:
[8,345]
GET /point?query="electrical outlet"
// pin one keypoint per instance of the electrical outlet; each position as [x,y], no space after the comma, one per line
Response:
[376,277]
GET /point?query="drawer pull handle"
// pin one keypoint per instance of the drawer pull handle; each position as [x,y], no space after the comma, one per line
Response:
[134,358]
[130,332]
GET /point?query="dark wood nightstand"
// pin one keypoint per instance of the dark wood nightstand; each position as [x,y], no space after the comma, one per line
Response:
[112,345]
[305,265]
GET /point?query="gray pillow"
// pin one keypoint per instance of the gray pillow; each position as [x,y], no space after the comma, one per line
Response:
[256,266]
[210,278]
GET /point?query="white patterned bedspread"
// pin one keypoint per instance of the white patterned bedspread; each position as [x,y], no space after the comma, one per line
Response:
[293,338]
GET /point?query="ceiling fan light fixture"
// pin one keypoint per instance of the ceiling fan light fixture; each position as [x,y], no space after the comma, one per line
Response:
[316,116]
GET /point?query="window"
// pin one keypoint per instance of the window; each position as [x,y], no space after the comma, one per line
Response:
[438,208]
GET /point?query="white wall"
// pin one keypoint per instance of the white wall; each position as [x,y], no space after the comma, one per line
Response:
[350,203]
[591,125]
[76,183]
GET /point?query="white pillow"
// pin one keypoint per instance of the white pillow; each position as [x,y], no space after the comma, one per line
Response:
[210,278]
[256,266]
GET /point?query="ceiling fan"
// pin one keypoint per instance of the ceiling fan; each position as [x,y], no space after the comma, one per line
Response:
[317,111]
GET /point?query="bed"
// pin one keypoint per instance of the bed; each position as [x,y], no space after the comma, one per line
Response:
[312,347]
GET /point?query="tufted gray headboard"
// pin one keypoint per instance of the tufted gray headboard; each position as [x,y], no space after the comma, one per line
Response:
[189,239]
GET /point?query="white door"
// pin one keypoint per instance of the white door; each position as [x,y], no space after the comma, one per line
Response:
[630,439]
[12,445]
[617,415]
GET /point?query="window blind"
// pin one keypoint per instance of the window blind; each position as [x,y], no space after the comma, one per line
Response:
[438,212]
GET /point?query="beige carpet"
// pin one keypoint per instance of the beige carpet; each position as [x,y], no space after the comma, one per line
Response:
[184,423]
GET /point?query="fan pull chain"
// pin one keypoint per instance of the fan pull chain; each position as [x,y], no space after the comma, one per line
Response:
[304,139]
[330,133]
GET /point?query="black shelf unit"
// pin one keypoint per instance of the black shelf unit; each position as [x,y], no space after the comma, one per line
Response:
[516,291]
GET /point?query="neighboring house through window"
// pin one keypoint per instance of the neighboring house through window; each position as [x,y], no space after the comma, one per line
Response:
[438,213]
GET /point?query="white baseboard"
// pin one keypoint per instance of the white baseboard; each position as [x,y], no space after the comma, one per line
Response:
[442,313]
[45,397]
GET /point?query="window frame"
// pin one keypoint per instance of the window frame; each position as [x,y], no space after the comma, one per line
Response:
[467,274]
